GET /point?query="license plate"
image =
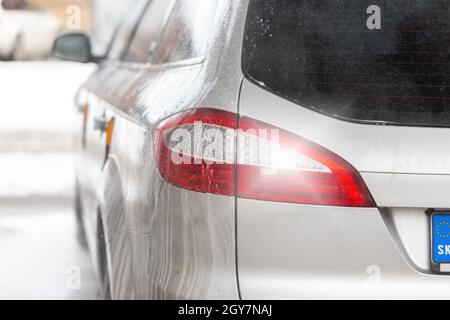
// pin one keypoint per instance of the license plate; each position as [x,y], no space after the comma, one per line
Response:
[440,236]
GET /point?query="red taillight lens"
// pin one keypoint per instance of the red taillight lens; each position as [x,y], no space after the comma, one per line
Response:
[212,151]
[304,173]
[181,164]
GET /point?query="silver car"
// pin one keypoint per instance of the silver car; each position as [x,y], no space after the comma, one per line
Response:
[268,149]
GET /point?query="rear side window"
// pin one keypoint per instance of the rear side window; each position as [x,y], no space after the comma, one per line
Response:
[148,32]
[187,33]
[126,28]
[372,61]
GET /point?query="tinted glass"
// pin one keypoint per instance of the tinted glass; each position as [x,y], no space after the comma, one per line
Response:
[376,61]
[126,28]
[149,30]
[187,32]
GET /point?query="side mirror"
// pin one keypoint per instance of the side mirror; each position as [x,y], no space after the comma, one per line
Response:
[75,47]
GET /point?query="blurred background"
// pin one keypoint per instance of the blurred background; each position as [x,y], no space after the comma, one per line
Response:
[40,257]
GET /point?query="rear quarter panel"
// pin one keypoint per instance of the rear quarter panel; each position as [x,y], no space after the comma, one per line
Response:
[163,242]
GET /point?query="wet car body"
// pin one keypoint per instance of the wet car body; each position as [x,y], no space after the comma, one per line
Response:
[152,239]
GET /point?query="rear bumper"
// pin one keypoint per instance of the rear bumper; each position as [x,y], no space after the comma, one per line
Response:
[306,252]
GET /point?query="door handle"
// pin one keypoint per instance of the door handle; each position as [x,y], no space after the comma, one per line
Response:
[101,124]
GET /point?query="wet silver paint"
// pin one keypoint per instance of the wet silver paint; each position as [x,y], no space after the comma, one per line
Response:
[406,175]
[163,242]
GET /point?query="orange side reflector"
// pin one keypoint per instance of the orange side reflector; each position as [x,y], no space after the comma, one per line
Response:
[109,131]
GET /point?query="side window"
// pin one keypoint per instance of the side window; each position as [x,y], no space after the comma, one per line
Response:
[126,28]
[148,32]
[187,32]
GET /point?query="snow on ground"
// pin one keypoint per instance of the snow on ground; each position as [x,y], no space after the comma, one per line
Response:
[36,175]
[36,127]
[40,256]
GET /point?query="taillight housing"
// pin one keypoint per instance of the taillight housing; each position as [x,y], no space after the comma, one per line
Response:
[217,152]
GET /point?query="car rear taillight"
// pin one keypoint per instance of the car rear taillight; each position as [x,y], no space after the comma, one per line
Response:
[217,152]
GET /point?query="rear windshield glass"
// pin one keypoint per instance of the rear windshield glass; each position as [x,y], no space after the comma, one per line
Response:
[372,61]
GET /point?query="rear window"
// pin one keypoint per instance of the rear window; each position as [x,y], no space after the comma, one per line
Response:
[369,61]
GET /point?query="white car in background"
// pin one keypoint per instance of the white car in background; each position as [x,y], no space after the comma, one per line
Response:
[26,35]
